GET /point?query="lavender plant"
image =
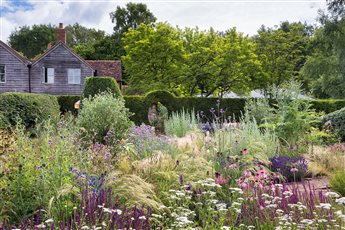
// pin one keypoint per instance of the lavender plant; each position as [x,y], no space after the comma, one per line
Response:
[145,141]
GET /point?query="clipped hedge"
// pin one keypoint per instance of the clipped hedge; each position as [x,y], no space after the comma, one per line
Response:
[139,105]
[28,108]
[337,119]
[67,102]
[96,85]
[327,106]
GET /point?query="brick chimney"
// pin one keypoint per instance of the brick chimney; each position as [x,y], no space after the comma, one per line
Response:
[61,33]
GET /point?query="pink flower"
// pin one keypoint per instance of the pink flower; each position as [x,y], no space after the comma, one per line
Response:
[261,174]
[294,170]
[247,173]
[221,180]
[233,166]
[244,151]
[244,185]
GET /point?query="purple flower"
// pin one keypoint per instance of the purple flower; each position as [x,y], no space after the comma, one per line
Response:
[181,179]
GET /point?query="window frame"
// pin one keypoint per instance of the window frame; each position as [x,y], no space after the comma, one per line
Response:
[2,82]
[68,76]
[45,71]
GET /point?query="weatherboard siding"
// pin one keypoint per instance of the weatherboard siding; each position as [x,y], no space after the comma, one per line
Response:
[17,73]
[61,59]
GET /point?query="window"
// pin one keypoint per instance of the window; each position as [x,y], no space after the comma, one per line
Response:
[2,74]
[74,76]
[48,75]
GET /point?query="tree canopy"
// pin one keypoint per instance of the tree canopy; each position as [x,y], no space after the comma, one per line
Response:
[189,61]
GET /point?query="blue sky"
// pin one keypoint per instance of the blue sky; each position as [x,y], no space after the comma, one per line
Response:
[246,15]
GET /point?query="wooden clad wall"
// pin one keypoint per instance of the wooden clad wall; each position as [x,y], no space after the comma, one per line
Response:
[17,73]
[61,59]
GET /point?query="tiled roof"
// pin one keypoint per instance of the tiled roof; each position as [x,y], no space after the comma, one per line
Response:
[109,68]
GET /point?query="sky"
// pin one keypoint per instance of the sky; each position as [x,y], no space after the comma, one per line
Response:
[246,15]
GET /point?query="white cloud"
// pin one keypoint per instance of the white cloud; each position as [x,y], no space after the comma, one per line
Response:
[247,16]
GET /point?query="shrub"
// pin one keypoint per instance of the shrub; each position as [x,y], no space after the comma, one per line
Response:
[337,119]
[96,85]
[67,102]
[139,107]
[145,141]
[259,109]
[292,168]
[28,108]
[180,123]
[102,114]
[338,182]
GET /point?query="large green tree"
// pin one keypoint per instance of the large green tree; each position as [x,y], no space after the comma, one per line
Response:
[325,67]
[283,50]
[32,41]
[191,62]
[238,68]
[154,57]
[78,34]
[200,54]
[131,16]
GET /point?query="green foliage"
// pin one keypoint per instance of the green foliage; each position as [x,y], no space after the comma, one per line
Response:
[96,85]
[259,109]
[78,34]
[154,57]
[291,117]
[324,68]
[28,108]
[338,182]
[327,106]
[32,41]
[180,122]
[67,102]
[191,62]
[283,50]
[337,120]
[37,169]
[131,17]
[102,114]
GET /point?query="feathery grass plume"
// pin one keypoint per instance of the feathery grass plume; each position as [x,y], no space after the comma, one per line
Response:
[179,123]
[134,190]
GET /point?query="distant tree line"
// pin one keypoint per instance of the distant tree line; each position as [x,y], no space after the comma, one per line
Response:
[191,61]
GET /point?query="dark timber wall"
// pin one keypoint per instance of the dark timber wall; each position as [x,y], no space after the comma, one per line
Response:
[17,73]
[61,59]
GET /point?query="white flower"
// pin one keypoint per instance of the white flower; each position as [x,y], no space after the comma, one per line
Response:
[49,221]
[107,210]
[307,221]
[156,215]
[322,221]
[340,200]
[118,211]
[332,194]
[85,227]
[325,205]
[339,213]
[40,226]
[142,217]
[225,228]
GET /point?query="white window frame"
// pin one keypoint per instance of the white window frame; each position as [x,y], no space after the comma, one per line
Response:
[72,77]
[4,74]
[50,78]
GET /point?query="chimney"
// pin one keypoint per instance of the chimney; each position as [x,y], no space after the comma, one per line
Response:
[49,46]
[61,33]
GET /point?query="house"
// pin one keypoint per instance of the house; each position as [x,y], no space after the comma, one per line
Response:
[58,71]
[14,70]
[108,68]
